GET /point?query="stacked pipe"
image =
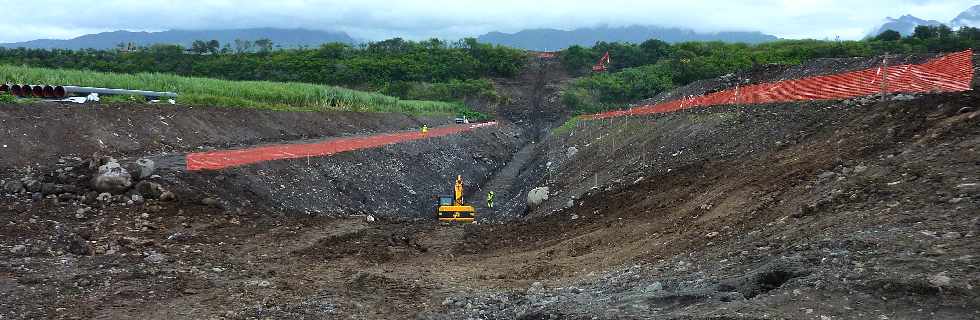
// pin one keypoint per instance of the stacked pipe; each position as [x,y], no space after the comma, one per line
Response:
[61,92]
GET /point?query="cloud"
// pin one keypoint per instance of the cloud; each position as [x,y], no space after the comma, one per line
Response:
[419,19]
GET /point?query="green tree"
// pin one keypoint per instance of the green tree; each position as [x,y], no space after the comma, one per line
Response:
[213,46]
[889,35]
[242,46]
[925,32]
[968,33]
[199,47]
[264,45]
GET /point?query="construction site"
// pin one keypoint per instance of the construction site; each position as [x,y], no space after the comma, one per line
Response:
[834,189]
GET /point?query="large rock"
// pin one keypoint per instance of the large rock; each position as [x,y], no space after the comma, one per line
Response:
[572,151]
[33,186]
[13,187]
[537,196]
[142,168]
[149,190]
[112,178]
[79,246]
[49,188]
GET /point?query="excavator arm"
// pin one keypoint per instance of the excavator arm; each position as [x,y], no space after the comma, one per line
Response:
[603,64]
[459,191]
[457,211]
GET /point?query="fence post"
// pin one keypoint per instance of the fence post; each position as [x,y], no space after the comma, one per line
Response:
[884,77]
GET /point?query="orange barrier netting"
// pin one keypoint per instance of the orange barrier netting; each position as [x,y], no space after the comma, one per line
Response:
[231,158]
[949,73]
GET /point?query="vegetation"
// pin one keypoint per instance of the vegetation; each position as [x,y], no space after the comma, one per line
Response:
[398,67]
[647,69]
[454,90]
[251,94]
[7,98]
[566,127]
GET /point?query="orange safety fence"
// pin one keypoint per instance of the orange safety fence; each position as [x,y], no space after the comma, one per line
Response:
[949,73]
[215,160]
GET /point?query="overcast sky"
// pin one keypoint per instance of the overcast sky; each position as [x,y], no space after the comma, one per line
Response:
[418,19]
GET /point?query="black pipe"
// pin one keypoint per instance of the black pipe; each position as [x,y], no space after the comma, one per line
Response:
[59,92]
[48,92]
[38,91]
[17,90]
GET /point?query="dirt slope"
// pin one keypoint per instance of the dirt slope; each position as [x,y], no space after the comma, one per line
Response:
[848,210]
[40,133]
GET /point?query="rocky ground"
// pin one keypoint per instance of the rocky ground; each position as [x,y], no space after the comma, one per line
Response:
[833,210]
[857,209]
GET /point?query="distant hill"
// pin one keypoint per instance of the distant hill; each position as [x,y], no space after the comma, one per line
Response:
[969,18]
[554,39]
[905,24]
[287,38]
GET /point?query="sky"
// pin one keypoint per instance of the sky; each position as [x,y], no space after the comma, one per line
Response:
[422,19]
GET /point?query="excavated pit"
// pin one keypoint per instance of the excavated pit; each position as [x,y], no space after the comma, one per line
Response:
[855,209]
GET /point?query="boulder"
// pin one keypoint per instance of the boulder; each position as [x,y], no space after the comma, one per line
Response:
[18,249]
[137,199]
[13,187]
[149,190]
[112,178]
[79,246]
[142,168]
[210,202]
[33,186]
[168,196]
[572,151]
[537,196]
[104,197]
[939,280]
[155,257]
[49,188]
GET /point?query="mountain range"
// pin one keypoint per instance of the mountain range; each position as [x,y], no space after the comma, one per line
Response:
[534,39]
[286,38]
[554,39]
[970,17]
[906,24]
[531,39]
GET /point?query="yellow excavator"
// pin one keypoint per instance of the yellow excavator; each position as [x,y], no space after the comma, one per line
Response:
[452,208]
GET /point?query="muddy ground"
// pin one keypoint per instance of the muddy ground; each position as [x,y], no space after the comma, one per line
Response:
[858,209]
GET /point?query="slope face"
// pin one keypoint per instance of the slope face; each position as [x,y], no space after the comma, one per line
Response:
[785,211]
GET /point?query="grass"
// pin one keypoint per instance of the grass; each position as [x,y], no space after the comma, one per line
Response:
[243,94]
[7,98]
[567,126]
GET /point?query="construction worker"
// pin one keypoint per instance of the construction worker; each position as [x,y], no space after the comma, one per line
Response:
[425,129]
[490,199]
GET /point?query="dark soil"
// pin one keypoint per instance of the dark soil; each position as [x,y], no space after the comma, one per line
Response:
[39,133]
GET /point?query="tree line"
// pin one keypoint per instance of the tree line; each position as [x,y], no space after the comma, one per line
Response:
[395,66]
[640,71]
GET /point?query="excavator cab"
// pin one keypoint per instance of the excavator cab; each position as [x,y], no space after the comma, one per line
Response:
[452,208]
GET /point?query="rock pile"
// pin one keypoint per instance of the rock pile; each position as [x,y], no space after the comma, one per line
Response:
[89,182]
